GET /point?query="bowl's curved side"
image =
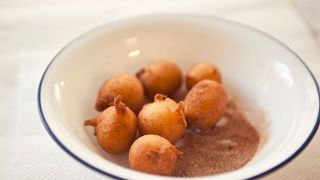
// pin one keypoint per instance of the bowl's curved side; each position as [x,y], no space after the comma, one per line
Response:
[316,126]
[51,133]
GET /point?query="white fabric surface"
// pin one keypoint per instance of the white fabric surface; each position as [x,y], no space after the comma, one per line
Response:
[32,32]
[310,11]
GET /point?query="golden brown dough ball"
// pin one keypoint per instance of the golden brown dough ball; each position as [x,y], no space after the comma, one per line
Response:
[153,154]
[129,87]
[205,104]
[202,71]
[162,77]
[115,127]
[163,117]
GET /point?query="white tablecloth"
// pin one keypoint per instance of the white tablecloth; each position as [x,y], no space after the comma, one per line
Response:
[32,32]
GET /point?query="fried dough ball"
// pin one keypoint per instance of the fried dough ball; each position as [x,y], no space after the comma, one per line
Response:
[200,72]
[115,127]
[129,87]
[205,104]
[162,77]
[153,154]
[163,117]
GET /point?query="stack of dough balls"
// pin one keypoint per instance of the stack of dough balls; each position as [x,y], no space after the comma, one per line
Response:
[160,124]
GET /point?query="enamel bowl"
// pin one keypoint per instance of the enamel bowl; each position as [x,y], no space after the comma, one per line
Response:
[276,90]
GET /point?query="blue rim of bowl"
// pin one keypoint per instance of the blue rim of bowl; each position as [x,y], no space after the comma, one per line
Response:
[272,169]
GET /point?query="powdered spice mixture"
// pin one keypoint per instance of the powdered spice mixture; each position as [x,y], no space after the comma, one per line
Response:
[229,146]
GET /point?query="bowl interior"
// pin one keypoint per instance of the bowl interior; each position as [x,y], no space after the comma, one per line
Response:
[273,87]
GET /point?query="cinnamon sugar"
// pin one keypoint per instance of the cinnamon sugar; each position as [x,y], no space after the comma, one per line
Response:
[228,146]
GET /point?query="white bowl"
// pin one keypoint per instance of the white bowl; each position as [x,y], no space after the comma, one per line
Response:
[276,90]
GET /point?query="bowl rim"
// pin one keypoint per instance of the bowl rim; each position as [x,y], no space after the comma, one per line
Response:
[182,15]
